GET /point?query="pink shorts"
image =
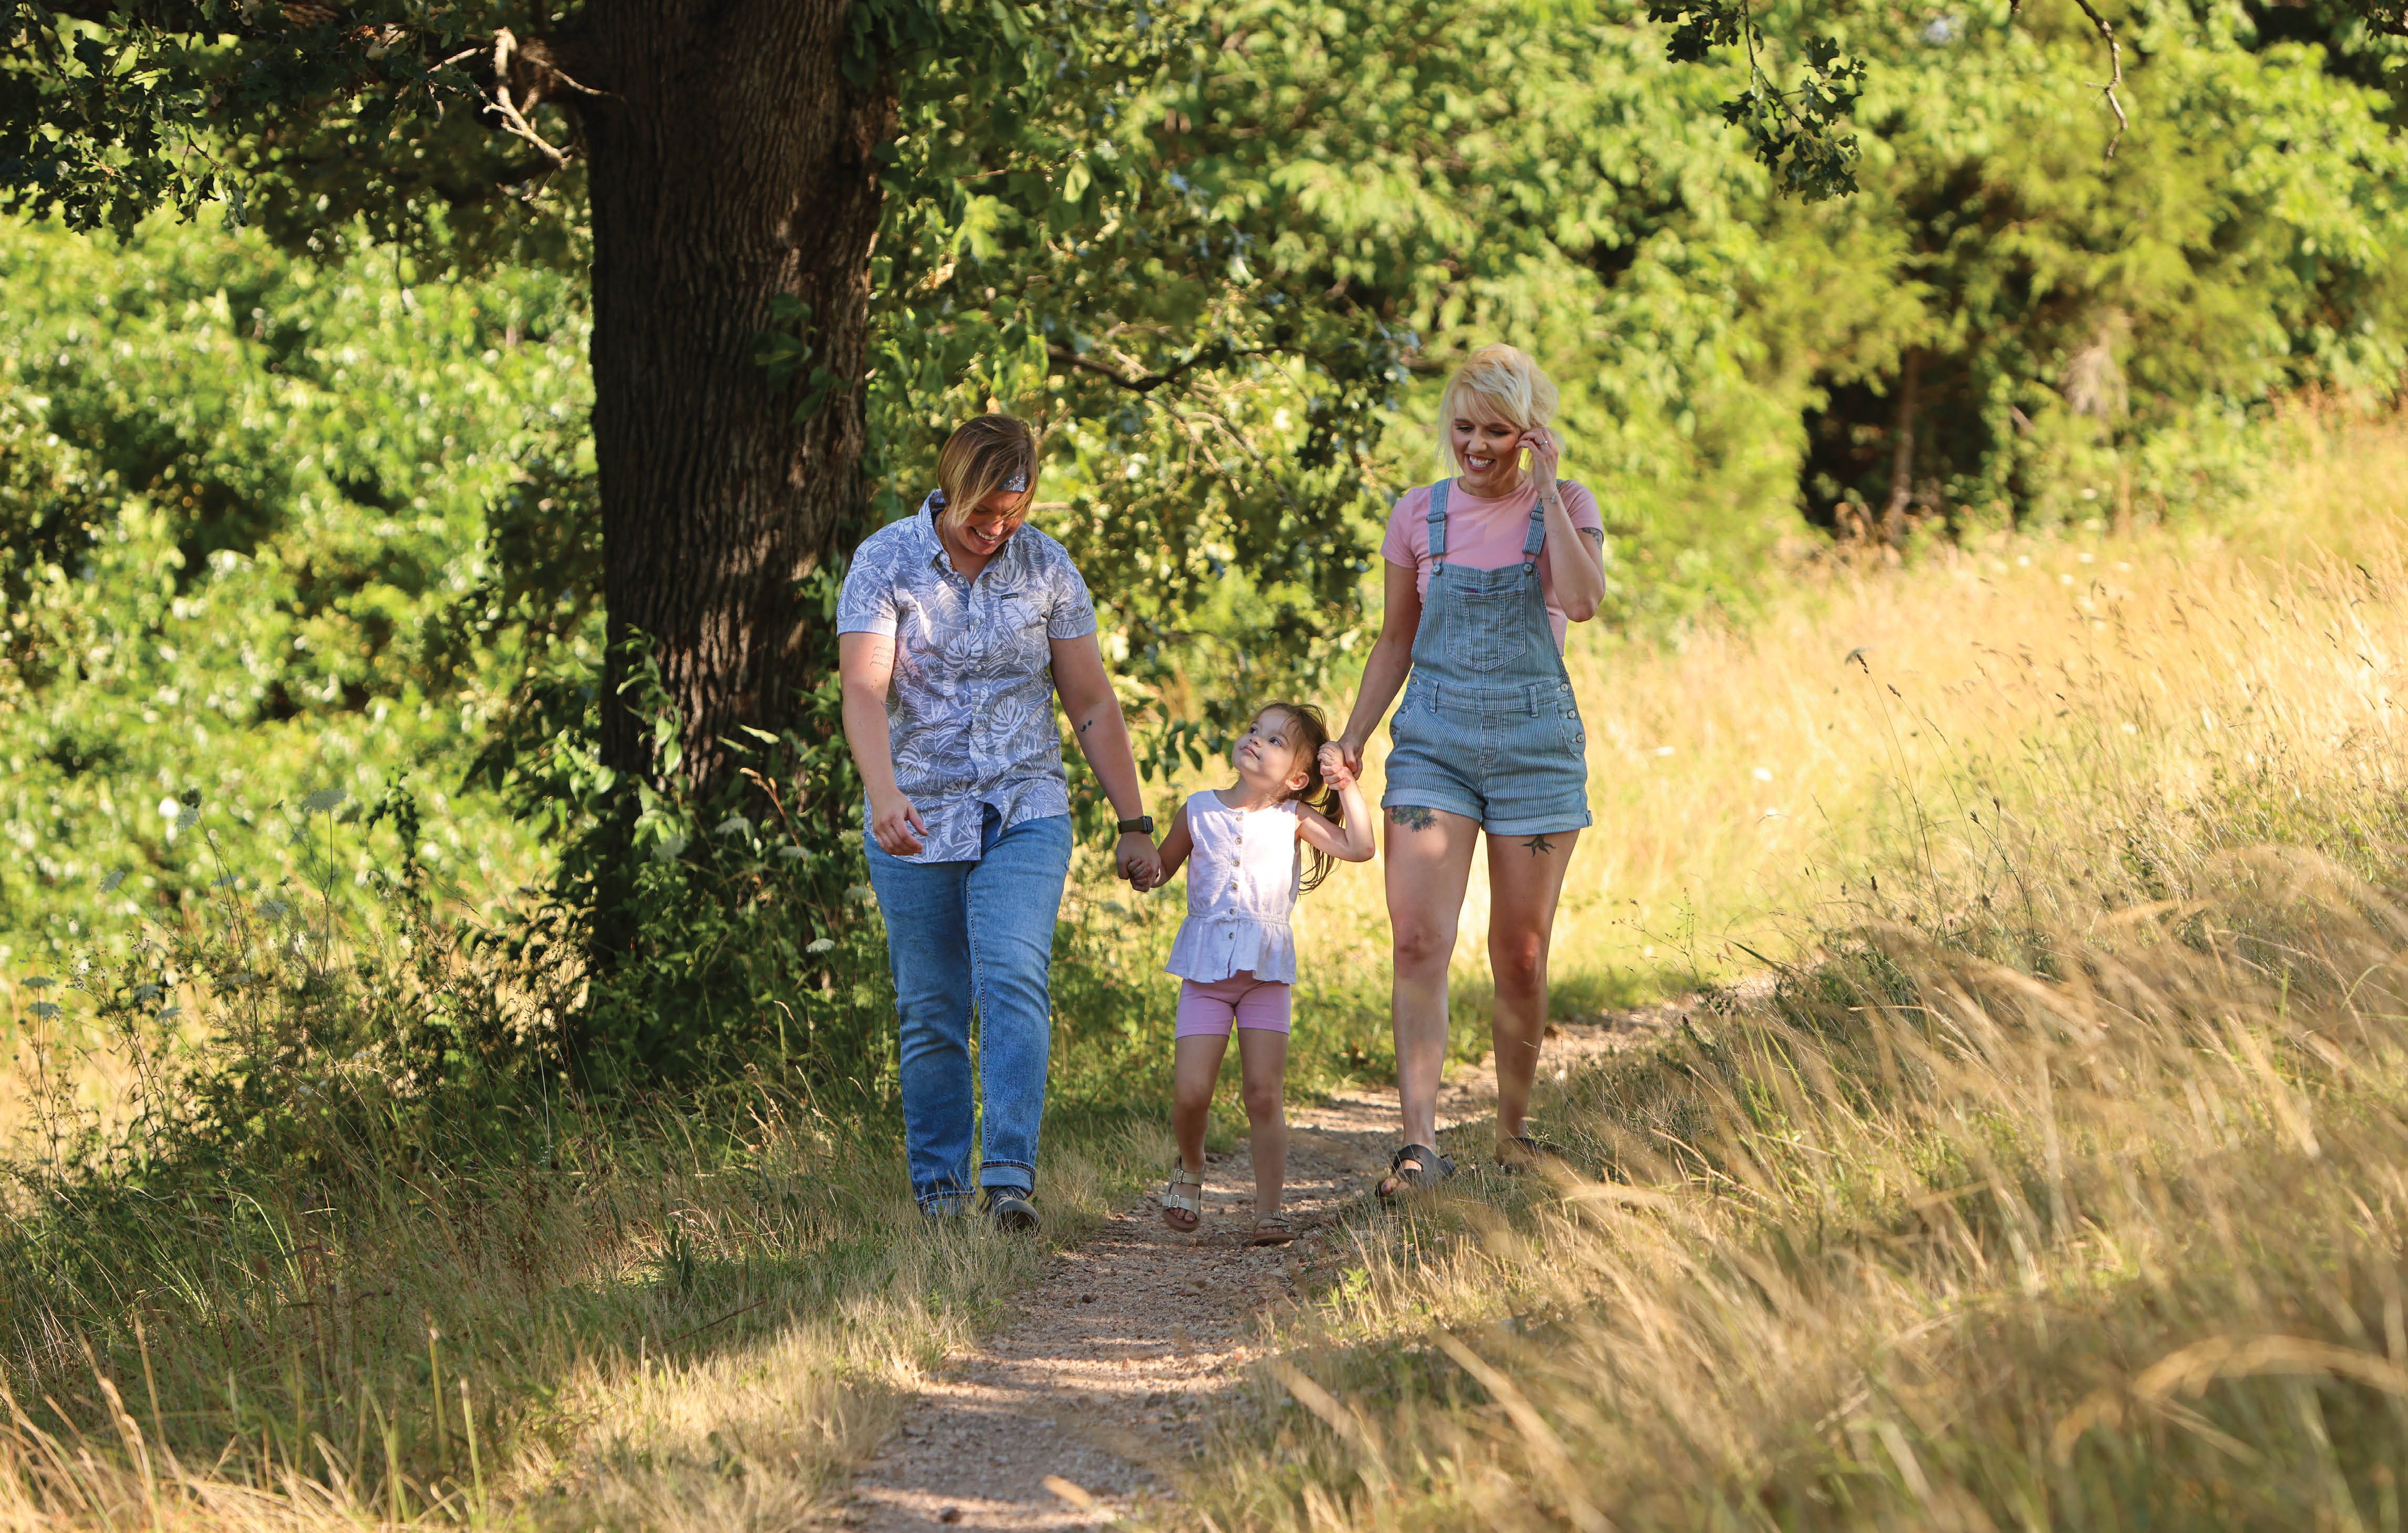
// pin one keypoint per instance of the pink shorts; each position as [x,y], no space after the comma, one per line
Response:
[1209,1009]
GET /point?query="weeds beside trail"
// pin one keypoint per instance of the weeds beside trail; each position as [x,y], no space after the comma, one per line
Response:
[2062,1181]
[696,1316]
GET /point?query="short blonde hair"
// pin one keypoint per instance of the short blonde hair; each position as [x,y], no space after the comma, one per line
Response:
[985,454]
[1506,381]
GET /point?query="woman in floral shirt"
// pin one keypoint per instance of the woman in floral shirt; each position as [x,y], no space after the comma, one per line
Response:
[956,629]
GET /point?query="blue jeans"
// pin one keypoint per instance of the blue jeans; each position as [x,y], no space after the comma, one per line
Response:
[981,932]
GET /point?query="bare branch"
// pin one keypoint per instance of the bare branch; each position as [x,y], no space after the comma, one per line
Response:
[1145,382]
[512,118]
[2115,58]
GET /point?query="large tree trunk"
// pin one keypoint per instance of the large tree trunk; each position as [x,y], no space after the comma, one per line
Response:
[731,161]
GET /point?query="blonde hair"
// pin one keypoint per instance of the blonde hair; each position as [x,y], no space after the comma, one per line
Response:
[985,454]
[1508,382]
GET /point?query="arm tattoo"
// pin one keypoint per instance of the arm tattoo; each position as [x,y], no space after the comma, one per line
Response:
[1084,727]
[1540,846]
[1411,817]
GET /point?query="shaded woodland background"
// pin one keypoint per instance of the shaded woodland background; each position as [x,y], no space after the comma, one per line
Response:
[449,1072]
[290,510]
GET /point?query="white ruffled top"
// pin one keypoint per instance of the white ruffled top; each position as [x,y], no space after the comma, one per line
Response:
[1241,886]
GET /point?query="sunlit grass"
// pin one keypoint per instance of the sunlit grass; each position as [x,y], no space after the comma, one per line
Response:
[1741,780]
[1927,1210]
[2062,1181]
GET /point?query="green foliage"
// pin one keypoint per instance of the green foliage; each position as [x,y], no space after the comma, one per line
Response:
[367,123]
[2086,330]
[260,526]
[274,526]
[1796,133]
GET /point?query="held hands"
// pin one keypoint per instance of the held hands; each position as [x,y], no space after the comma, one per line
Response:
[1140,862]
[896,825]
[1334,769]
[1341,758]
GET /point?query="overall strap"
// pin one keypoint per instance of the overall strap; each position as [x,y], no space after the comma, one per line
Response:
[1438,520]
[1537,540]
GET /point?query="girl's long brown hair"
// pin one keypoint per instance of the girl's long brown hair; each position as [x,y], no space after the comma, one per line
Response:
[1317,795]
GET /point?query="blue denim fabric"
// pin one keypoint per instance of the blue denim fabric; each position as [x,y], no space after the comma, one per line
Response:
[981,932]
[1488,729]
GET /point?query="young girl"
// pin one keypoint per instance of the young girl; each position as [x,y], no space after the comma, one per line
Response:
[1235,955]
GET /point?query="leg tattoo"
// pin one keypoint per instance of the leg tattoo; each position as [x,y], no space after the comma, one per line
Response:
[1540,846]
[1413,817]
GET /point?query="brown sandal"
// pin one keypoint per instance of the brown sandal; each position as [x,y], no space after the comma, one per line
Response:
[1271,1229]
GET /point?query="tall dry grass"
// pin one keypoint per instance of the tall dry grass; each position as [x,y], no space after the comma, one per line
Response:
[2063,1179]
[697,1316]
[1741,778]
[1969,1179]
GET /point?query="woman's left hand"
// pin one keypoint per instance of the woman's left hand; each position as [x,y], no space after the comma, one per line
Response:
[1546,456]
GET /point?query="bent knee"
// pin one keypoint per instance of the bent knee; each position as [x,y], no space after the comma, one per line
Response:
[1264,1104]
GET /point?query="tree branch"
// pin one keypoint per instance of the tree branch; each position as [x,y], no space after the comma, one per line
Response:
[512,120]
[2115,58]
[1148,383]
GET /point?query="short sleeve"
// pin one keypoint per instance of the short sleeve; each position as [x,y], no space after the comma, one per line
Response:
[866,603]
[1410,510]
[1582,506]
[1073,612]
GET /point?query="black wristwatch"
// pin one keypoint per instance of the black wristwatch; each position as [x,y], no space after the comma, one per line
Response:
[1142,824]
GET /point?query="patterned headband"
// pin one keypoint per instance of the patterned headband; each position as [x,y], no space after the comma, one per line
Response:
[1019,486]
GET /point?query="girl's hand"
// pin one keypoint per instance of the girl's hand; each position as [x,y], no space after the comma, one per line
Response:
[1140,861]
[895,824]
[1334,769]
[1347,754]
[1546,456]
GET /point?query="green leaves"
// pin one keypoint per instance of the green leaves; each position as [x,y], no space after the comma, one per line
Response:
[1797,132]
[783,354]
[321,124]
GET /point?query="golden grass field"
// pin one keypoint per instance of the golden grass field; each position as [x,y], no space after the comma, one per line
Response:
[1740,780]
[2062,1182]
[2061,1185]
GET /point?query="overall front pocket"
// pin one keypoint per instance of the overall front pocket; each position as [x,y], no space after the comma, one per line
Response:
[1484,630]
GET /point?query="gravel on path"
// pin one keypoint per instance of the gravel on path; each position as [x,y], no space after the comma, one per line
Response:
[1070,1415]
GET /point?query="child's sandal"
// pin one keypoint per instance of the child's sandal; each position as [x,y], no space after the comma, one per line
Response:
[1175,1203]
[1271,1229]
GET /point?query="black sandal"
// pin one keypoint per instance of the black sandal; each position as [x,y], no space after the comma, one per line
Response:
[1429,1168]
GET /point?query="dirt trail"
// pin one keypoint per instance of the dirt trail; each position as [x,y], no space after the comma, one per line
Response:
[1067,1416]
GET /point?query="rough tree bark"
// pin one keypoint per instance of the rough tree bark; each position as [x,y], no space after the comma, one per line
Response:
[731,163]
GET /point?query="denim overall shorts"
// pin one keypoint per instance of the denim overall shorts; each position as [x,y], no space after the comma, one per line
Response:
[1488,729]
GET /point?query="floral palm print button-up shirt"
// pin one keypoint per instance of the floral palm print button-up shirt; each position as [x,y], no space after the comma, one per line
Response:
[970,710]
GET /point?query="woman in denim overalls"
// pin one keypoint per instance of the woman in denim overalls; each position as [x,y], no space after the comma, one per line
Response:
[1483,570]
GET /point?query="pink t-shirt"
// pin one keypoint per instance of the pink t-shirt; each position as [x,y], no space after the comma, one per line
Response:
[1482,535]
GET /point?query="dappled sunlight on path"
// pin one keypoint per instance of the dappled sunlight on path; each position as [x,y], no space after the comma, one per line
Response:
[1089,1402]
